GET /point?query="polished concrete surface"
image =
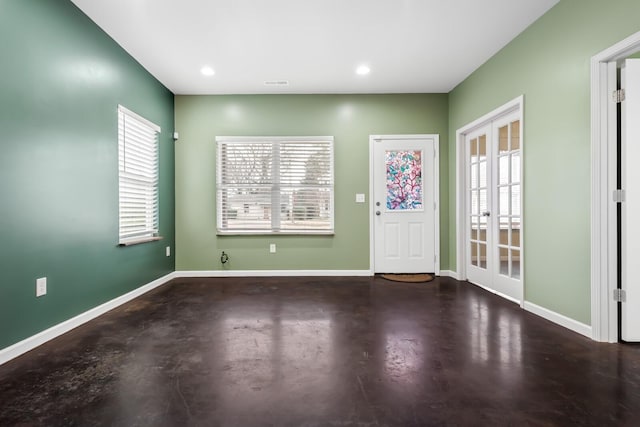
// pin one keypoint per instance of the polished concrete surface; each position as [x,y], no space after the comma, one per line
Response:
[321,352]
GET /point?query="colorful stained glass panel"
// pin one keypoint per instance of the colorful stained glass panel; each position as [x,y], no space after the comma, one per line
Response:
[404,180]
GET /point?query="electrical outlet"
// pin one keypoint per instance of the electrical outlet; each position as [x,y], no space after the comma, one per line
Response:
[359,198]
[272,248]
[41,286]
[168,250]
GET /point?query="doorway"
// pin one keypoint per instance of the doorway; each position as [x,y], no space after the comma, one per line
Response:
[489,173]
[607,203]
[404,183]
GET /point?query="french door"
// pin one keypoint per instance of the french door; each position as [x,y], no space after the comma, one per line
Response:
[494,206]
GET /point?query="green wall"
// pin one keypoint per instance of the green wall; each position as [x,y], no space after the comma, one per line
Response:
[349,118]
[550,64]
[62,80]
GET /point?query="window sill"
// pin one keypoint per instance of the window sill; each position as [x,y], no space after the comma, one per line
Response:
[275,233]
[139,241]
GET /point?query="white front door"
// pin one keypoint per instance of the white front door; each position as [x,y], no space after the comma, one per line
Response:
[494,206]
[630,226]
[404,209]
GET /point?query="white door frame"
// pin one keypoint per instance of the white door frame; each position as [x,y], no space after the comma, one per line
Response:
[604,310]
[516,104]
[436,195]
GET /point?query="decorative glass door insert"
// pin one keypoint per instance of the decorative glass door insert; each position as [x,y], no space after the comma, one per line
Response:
[404,180]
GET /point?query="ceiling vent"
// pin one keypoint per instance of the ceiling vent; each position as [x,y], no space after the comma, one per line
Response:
[276,83]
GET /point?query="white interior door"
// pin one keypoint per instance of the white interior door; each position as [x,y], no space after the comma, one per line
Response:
[404,189]
[494,206]
[630,227]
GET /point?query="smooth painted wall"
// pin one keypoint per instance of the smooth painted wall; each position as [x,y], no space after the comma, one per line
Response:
[349,118]
[549,63]
[62,80]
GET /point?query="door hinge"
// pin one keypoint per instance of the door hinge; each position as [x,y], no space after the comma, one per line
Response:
[618,96]
[619,295]
[618,196]
[435,258]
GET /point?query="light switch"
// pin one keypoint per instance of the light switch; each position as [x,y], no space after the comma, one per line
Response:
[41,286]
[359,198]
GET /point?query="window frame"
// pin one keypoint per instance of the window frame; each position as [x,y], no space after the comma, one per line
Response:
[149,182]
[276,186]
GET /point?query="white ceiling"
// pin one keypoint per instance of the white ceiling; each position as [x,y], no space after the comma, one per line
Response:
[411,46]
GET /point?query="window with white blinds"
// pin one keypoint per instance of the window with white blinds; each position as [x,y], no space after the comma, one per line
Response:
[275,185]
[138,177]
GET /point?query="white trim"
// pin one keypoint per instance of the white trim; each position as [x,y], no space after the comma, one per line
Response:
[436,195]
[500,294]
[504,109]
[28,344]
[273,273]
[604,324]
[449,273]
[436,198]
[516,104]
[272,138]
[372,252]
[559,319]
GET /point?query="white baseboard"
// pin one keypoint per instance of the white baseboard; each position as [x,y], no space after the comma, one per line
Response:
[449,273]
[273,273]
[559,319]
[500,294]
[34,341]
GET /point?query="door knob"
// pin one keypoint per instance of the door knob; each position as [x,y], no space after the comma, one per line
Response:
[487,213]
[378,213]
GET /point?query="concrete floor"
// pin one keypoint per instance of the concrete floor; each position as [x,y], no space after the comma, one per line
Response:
[321,352]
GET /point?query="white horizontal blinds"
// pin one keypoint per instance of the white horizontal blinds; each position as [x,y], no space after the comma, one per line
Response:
[138,176]
[306,185]
[245,181]
[268,185]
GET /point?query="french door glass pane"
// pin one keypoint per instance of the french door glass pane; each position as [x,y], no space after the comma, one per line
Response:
[503,170]
[503,140]
[474,228]
[515,168]
[515,200]
[483,174]
[504,231]
[474,253]
[483,201]
[515,264]
[515,135]
[482,146]
[475,205]
[504,261]
[515,232]
[474,175]
[483,229]
[483,256]
[503,201]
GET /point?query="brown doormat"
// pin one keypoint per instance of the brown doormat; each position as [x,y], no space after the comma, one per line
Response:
[408,278]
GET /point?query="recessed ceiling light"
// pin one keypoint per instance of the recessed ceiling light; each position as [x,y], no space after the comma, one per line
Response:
[363,70]
[207,71]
